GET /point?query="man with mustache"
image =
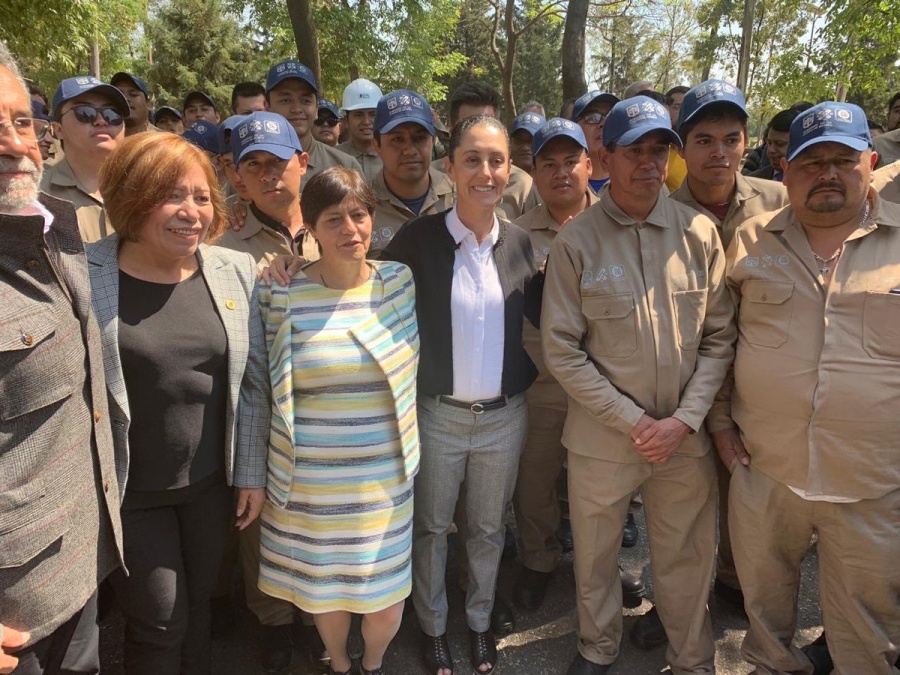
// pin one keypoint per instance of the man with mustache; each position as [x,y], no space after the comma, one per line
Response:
[60,532]
[89,120]
[637,327]
[814,422]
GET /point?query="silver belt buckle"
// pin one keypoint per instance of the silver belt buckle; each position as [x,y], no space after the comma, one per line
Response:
[477,408]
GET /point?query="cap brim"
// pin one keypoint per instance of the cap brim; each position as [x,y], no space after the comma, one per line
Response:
[857,144]
[118,98]
[293,76]
[736,106]
[393,124]
[282,152]
[536,151]
[633,135]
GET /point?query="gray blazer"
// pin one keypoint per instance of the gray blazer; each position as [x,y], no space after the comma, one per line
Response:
[60,533]
[231,279]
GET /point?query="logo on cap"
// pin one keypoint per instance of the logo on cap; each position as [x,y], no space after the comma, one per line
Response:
[633,110]
[201,128]
[843,115]
[243,131]
[404,100]
[392,103]
[272,126]
[417,102]
[255,125]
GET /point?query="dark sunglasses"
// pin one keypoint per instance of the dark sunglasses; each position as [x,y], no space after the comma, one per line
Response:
[326,122]
[87,114]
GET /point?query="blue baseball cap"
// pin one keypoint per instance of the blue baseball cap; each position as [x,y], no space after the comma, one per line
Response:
[633,118]
[833,122]
[287,70]
[223,137]
[328,106]
[168,109]
[39,110]
[528,121]
[266,131]
[204,135]
[138,82]
[709,93]
[401,106]
[206,98]
[73,87]
[585,100]
[556,128]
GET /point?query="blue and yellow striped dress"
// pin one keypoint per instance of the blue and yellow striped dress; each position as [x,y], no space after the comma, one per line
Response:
[343,540]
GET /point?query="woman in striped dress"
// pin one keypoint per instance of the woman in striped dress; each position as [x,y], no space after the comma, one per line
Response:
[343,344]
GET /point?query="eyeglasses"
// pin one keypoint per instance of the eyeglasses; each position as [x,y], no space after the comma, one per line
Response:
[593,118]
[326,122]
[27,127]
[87,114]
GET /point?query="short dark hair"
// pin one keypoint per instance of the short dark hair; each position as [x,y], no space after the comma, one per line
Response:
[469,123]
[247,90]
[331,187]
[655,95]
[874,126]
[801,106]
[475,94]
[714,112]
[679,89]
[34,90]
[894,99]
[782,121]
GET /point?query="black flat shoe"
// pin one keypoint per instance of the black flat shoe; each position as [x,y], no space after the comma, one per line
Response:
[731,596]
[633,589]
[318,655]
[378,671]
[530,588]
[564,535]
[502,620]
[483,648]
[276,648]
[648,632]
[437,654]
[581,666]
[630,532]
[818,654]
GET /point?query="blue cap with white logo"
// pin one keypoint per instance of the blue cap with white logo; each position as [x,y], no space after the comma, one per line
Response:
[528,121]
[585,100]
[634,118]
[327,106]
[204,135]
[402,106]
[265,131]
[709,93]
[167,109]
[556,128]
[832,122]
[223,138]
[73,87]
[290,69]
[138,82]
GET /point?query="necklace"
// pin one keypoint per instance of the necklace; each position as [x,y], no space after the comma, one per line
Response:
[825,263]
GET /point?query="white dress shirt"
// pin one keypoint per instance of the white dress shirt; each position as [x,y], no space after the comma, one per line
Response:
[477,317]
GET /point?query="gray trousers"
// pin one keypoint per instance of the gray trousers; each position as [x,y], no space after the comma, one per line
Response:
[481,452]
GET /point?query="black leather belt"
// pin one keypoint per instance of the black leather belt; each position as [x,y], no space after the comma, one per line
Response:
[476,407]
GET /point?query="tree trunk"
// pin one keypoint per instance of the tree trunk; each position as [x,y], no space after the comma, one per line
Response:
[304,28]
[573,49]
[509,97]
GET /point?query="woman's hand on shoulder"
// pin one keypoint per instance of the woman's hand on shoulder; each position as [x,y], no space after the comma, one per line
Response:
[249,504]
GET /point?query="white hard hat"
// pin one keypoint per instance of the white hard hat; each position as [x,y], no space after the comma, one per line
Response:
[360,95]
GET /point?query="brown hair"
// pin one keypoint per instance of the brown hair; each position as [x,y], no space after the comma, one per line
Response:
[331,187]
[142,172]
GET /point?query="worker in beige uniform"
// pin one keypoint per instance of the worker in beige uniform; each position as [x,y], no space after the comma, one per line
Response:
[812,411]
[359,101]
[89,120]
[713,130]
[327,126]
[886,181]
[406,186]
[479,98]
[136,92]
[638,328]
[291,91]
[561,168]
[887,146]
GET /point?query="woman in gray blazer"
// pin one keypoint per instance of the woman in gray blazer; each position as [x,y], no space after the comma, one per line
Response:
[187,381]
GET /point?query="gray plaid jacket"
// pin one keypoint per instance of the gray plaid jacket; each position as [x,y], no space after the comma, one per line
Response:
[60,533]
[231,279]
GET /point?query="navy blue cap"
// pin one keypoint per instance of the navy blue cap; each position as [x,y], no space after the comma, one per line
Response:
[832,122]
[39,110]
[528,121]
[266,131]
[138,82]
[204,135]
[585,100]
[73,87]
[325,104]
[708,93]
[287,70]
[224,134]
[169,109]
[401,106]
[201,95]
[633,118]
[555,128]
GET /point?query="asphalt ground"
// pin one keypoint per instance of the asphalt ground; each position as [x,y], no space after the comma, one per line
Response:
[544,642]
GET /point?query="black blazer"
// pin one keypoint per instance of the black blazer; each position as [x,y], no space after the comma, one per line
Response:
[425,245]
